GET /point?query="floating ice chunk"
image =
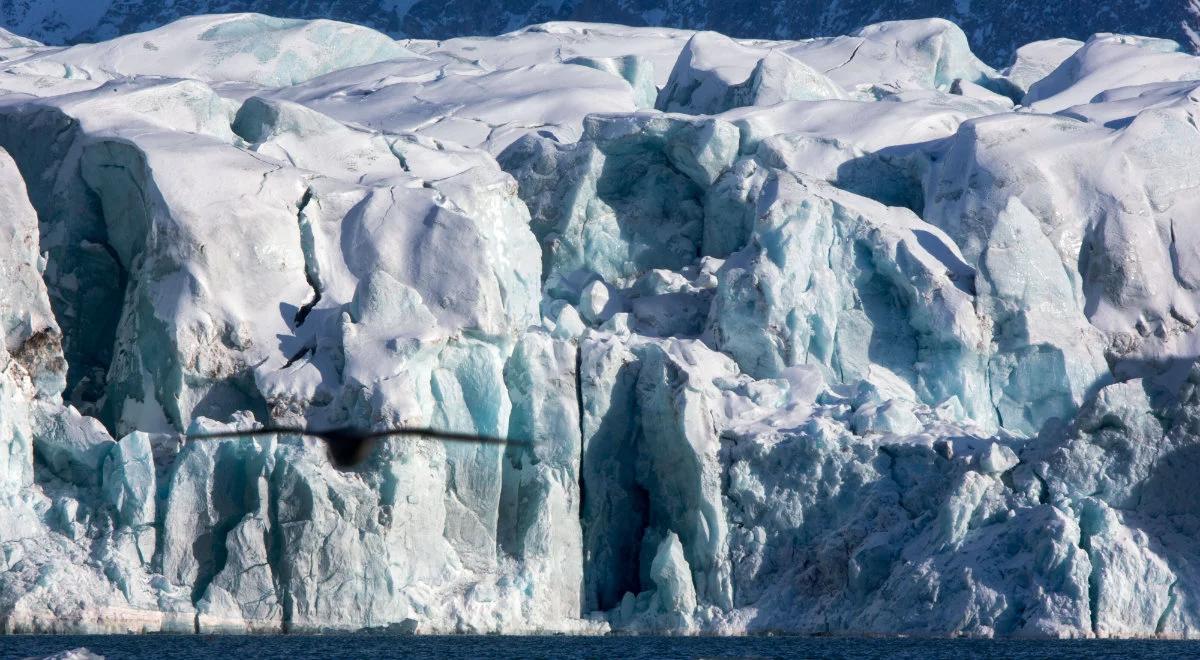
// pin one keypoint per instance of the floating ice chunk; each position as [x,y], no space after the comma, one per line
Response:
[81,653]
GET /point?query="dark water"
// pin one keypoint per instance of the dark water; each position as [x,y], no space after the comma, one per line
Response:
[296,647]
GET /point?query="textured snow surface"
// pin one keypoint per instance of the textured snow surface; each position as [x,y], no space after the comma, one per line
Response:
[996,27]
[849,335]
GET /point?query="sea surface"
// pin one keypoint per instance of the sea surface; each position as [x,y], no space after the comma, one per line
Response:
[300,647]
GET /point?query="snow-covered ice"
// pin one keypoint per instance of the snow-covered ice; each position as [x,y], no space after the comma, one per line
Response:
[843,335]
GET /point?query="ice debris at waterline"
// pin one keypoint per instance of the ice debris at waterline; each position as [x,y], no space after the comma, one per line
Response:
[842,335]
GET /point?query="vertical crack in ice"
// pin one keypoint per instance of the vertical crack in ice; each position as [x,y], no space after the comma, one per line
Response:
[276,552]
[1161,625]
[1173,253]
[91,336]
[1044,491]
[983,275]
[1093,582]
[582,432]
[311,269]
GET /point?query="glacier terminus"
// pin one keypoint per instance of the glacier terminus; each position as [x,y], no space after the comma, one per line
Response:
[845,335]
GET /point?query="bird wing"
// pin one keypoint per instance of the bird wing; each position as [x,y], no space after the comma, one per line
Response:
[339,433]
[448,436]
[266,430]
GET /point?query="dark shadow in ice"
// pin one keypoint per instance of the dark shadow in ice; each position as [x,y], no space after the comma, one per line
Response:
[960,271]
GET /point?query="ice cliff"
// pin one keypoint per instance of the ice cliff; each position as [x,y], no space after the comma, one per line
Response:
[845,335]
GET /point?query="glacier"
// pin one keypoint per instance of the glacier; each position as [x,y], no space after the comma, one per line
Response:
[847,335]
[996,28]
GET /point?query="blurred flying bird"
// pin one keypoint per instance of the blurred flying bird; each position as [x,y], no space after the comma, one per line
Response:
[348,447]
